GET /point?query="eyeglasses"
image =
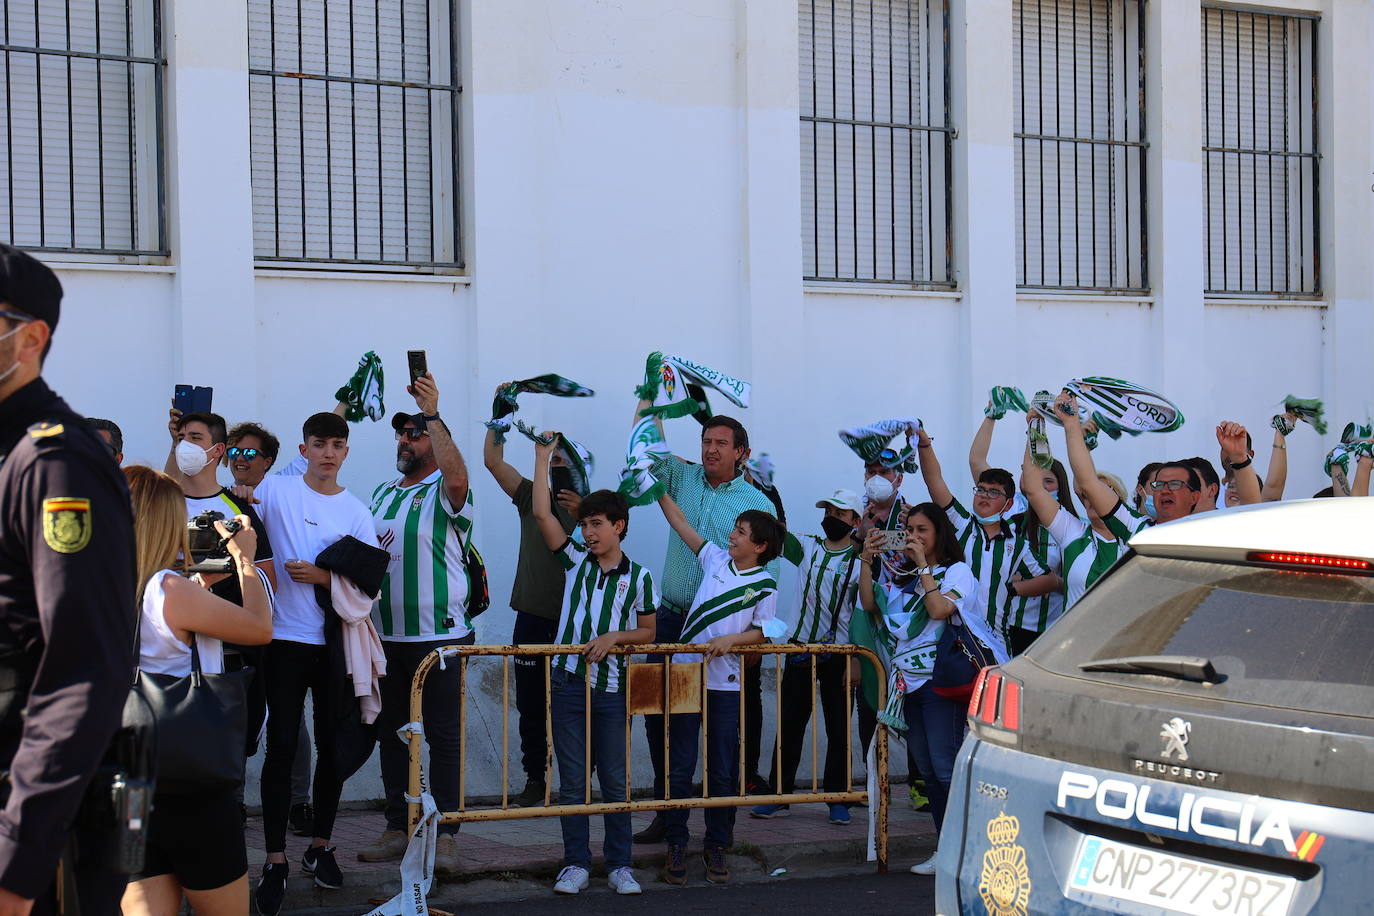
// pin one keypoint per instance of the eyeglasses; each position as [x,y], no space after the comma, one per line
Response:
[1173,486]
[991,494]
[248,454]
[411,433]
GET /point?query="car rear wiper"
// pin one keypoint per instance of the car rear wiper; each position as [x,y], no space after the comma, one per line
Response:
[1183,667]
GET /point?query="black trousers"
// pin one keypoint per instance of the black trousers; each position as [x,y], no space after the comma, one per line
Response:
[796,715]
[530,699]
[1020,639]
[290,670]
[753,712]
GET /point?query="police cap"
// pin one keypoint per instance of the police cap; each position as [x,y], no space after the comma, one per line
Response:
[29,285]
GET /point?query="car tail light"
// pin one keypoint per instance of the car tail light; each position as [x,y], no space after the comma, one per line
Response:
[996,700]
[1311,561]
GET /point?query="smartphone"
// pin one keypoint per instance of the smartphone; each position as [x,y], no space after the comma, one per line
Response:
[893,540]
[193,398]
[419,364]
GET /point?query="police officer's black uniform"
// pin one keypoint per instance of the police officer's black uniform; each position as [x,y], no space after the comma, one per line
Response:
[67,606]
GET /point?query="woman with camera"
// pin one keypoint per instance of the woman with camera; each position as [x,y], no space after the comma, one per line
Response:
[195,841]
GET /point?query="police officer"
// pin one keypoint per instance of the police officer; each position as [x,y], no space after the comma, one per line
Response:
[67,608]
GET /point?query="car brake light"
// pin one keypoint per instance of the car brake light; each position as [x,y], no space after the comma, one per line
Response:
[977,696]
[988,710]
[1011,705]
[1310,561]
[996,700]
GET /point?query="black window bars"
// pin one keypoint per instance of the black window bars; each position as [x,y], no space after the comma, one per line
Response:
[82,135]
[1079,111]
[354,123]
[876,142]
[1260,157]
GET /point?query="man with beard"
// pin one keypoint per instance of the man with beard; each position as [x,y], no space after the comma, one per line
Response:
[424,519]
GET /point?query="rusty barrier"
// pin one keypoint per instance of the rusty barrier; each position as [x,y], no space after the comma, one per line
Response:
[652,688]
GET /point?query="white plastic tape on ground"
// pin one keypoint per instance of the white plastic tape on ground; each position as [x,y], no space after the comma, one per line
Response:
[872,766]
[417,866]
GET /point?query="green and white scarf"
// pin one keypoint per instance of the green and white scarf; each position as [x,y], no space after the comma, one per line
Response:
[1355,433]
[1003,398]
[363,392]
[579,458]
[869,441]
[1116,406]
[759,471]
[1309,410]
[677,387]
[646,448]
[1039,443]
[504,404]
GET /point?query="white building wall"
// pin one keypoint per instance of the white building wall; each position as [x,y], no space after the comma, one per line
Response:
[630,183]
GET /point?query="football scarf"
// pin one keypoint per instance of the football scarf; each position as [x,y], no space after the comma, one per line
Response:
[1004,398]
[579,460]
[504,404]
[677,387]
[646,448]
[1039,442]
[363,392]
[1309,410]
[871,443]
[1116,406]
[759,472]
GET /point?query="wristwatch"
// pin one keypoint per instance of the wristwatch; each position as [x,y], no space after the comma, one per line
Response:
[429,419]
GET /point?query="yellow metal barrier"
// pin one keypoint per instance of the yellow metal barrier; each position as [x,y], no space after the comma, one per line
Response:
[690,686]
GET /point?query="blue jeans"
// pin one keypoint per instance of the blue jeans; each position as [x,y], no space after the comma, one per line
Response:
[934,731]
[568,700]
[669,623]
[722,758]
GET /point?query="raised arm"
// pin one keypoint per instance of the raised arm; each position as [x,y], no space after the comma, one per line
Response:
[494,457]
[1232,437]
[930,471]
[1102,497]
[870,550]
[446,453]
[170,466]
[1033,487]
[1359,486]
[978,451]
[673,513]
[1277,477]
[191,608]
[541,505]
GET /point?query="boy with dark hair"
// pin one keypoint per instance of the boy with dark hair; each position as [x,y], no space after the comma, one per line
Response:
[109,431]
[306,514]
[735,600]
[608,601]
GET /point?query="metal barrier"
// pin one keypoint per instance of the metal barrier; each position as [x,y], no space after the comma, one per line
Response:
[643,698]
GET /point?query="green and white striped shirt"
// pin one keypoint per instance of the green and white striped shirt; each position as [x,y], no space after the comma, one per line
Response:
[1042,610]
[907,630]
[595,603]
[994,561]
[1087,555]
[827,585]
[424,596]
[727,602]
[1125,522]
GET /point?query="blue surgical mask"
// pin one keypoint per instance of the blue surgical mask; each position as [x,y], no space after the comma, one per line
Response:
[1148,506]
[987,519]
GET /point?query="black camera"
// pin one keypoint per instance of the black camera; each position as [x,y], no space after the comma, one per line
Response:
[208,551]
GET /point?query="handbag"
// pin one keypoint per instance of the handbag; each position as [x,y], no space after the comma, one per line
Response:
[199,723]
[959,657]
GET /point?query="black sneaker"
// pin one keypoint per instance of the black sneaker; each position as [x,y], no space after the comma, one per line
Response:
[302,819]
[532,797]
[319,861]
[653,833]
[271,889]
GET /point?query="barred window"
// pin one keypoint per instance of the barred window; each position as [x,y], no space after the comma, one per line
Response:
[1259,109]
[354,130]
[82,136]
[876,155]
[1079,74]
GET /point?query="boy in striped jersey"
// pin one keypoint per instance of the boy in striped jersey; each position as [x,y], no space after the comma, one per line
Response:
[737,597]
[608,601]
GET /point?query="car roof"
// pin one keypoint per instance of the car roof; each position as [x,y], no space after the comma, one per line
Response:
[1339,526]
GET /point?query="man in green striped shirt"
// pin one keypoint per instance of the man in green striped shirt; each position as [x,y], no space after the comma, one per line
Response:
[424,520]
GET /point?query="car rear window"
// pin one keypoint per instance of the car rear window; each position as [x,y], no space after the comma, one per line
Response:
[1290,639]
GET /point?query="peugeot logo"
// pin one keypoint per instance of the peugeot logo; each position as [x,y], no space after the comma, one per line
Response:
[1175,734]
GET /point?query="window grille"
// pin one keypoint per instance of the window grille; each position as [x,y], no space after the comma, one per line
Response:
[1260,168]
[354,123]
[876,155]
[82,133]
[1079,74]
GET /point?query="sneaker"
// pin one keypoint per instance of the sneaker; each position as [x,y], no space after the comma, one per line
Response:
[653,833]
[271,889]
[917,798]
[302,819]
[924,868]
[319,861]
[839,814]
[389,847]
[675,865]
[716,870]
[571,880]
[767,811]
[755,785]
[532,797]
[446,856]
[622,881]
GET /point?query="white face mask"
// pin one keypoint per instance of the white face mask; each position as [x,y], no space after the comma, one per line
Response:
[878,489]
[191,458]
[6,336]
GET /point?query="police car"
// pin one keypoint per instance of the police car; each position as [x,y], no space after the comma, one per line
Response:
[1195,736]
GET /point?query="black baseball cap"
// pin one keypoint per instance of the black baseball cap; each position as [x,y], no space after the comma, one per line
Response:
[29,285]
[400,420]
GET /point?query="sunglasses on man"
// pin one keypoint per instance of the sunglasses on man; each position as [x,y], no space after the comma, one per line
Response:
[411,433]
[247,454]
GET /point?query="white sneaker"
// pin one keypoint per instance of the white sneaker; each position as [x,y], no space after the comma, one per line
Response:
[622,881]
[571,879]
[924,868]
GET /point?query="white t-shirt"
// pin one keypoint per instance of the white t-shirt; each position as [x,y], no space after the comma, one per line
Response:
[727,602]
[303,523]
[159,649]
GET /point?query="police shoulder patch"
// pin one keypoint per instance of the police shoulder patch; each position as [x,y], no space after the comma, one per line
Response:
[67,523]
[46,430]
